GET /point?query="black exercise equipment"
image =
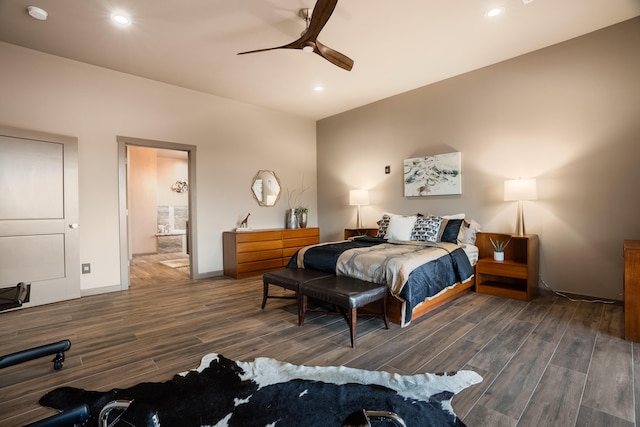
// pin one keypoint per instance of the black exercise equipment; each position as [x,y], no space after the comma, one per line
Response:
[15,296]
[57,348]
[77,416]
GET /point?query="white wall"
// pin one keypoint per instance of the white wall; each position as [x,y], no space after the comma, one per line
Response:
[568,115]
[171,170]
[142,199]
[234,140]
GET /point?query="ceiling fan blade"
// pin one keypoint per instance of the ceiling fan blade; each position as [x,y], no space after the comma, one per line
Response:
[333,56]
[260,50]
[319,17]
[293,45]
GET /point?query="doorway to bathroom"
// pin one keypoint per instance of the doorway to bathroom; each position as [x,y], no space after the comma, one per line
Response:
[157,220]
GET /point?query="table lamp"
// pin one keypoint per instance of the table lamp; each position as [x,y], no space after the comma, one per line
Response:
[359,198]
[520,190]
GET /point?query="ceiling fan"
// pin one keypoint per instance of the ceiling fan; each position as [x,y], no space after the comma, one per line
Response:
[308,41]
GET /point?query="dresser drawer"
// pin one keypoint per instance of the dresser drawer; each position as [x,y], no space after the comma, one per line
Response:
[287,253]
[259,256]
[258,267]
[300,242]
[258,246]
[257,236]
[300,232]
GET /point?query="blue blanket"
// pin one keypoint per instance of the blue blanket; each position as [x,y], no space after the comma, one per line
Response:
[325,257]
[423,282]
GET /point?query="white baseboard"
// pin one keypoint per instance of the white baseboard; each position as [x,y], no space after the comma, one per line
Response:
[98,291]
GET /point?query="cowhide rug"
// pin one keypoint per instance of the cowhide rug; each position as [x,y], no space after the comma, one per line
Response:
[266,392]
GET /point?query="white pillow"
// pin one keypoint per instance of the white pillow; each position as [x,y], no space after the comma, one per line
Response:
[455,216]
[469,237]
[400,227]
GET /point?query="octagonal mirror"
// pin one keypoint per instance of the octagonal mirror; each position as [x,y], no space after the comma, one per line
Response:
[266,188]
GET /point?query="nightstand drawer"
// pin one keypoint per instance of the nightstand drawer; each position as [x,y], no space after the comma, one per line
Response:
[503,268]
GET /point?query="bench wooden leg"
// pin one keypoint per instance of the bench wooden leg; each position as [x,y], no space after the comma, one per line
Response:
[384,312]
[265,292]
[353,320]
[302,308]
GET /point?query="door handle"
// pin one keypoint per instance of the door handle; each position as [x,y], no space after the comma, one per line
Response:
[74,226]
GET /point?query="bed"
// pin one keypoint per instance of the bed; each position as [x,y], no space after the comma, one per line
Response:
[424,260]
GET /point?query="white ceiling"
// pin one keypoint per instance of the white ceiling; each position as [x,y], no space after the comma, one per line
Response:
[397,45]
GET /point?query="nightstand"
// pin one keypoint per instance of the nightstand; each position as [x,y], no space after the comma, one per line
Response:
[353,232]
[515,277]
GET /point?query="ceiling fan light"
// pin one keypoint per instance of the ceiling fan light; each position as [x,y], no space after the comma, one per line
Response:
[307,49]
[121,19]
[37,13]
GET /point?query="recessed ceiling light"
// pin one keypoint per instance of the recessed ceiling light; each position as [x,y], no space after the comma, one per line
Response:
[121,19]
[495,12]
[37,13]
[318,88]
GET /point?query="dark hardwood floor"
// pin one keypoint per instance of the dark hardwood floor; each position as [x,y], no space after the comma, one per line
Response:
[549,362]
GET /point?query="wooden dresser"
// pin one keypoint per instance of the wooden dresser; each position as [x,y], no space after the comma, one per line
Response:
[632,290]
[250,253]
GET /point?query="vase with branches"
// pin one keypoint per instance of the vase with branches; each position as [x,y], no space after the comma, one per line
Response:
[297,213]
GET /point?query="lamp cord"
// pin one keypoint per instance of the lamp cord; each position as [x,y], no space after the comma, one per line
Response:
[573,299]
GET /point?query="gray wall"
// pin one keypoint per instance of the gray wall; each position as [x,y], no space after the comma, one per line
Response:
[567,115]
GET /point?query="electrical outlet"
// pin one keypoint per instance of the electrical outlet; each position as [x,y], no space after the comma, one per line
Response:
[86,268]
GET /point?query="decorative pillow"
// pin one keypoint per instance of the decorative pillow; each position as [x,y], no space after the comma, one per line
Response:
[469,236]
[455,216]
[451,230]
[427,228]
[400,227]
[463,229]
[383,225]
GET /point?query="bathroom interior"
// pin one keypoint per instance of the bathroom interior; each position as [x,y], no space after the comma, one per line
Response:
[158,203]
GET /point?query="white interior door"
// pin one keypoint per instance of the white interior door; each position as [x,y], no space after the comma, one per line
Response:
[39,214]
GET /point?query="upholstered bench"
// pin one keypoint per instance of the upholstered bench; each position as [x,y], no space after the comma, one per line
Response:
[288,278]
[347,293]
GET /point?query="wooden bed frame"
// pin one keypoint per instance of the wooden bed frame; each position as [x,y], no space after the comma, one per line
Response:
[394,305]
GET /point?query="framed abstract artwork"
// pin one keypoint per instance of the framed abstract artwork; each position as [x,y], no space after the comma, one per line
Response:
[433,175]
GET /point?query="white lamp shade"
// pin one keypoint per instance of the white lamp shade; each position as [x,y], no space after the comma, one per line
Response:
[358,197]
[520,189]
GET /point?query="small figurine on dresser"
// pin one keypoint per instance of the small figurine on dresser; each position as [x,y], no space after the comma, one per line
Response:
[244,224]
